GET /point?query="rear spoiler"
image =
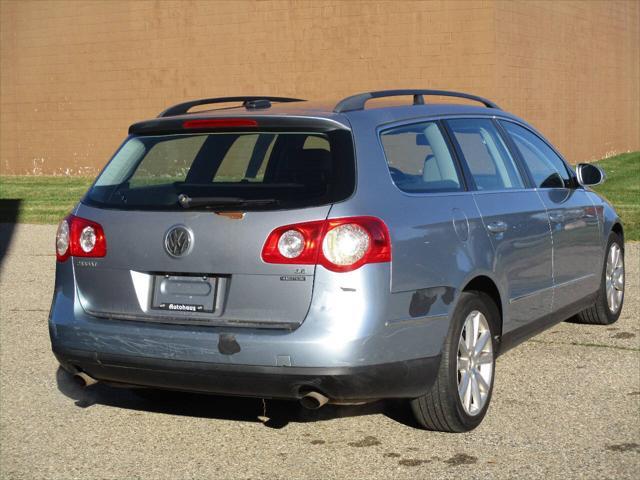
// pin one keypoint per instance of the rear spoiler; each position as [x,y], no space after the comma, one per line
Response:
[208,123]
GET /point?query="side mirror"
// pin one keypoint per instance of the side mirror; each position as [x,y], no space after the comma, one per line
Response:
[589,175]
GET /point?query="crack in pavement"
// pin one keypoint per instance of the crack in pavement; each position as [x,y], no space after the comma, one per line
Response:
[583,344]
[29,310]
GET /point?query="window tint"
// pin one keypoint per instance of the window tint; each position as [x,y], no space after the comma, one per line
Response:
[272,170]
[546,167]
[419,159]
[316,142]
[489,161]
[235,162]
[166,161]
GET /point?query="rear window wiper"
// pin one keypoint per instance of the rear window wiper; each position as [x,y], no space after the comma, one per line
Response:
[186,201]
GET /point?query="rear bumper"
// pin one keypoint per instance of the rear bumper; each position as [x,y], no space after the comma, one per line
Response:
[406,379]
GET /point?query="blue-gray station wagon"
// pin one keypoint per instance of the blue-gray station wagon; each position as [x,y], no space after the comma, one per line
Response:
[268,247]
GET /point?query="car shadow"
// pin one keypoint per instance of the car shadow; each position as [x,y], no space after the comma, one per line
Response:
[9,211]
[271,413]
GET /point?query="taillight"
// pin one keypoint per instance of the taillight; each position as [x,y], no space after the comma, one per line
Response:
[282,244]
[62,241]
[346,244]
[79,237]
[340,245]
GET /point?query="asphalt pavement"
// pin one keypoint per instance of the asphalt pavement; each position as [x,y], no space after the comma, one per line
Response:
[566,404]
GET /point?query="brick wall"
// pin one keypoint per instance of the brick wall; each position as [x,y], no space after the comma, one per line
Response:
[573,70]
[74,75]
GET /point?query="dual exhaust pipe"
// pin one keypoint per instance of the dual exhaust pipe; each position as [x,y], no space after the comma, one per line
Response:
[312,400]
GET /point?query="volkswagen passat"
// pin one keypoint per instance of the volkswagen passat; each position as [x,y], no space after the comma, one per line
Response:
[279,250]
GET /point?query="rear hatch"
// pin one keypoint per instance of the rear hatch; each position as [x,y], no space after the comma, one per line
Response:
[186,213]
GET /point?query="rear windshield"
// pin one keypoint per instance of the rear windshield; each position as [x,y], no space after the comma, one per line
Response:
[226,171]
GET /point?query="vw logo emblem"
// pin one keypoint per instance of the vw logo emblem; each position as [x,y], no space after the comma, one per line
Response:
[177,241]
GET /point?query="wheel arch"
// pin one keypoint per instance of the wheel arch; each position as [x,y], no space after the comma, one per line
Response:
[486,285]
[617,228]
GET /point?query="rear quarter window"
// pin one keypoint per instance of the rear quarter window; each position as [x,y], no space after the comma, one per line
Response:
[419,159]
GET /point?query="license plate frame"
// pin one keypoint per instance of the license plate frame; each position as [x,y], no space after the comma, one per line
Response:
[184,294]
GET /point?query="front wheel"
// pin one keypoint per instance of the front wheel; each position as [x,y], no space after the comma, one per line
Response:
[608,305]
[460,395]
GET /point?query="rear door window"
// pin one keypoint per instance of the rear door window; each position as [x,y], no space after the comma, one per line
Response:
[260,170]
[490,163]
[546,167]
[419,159]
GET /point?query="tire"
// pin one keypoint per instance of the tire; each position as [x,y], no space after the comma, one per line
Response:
[442,408]
[600,312]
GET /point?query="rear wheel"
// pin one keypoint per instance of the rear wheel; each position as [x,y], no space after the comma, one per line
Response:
[460,395]
[608,305]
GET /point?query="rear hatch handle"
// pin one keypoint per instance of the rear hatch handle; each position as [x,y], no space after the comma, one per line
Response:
[186,201]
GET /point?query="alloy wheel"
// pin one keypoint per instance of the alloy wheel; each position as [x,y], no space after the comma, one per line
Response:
[475,363]
[614,278]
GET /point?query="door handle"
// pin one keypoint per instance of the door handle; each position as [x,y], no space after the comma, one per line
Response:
[497,227]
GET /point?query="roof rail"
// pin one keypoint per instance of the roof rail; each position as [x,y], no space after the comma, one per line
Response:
[356,102]
[247,102]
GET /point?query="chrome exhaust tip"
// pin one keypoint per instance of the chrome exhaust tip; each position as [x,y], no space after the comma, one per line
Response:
[313,400]
[84,380]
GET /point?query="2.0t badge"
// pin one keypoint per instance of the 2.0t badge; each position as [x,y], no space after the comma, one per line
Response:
[178,241]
